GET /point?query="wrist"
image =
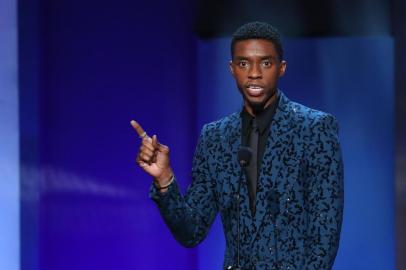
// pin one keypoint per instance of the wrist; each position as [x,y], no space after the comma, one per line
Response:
[164,178]
[162,188]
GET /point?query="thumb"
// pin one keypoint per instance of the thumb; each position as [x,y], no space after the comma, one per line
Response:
[154,142]
[161,147]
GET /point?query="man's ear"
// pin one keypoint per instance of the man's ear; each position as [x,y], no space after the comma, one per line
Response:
[282,68]
[230,65]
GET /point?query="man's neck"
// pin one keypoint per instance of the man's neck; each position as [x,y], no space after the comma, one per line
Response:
[252,112]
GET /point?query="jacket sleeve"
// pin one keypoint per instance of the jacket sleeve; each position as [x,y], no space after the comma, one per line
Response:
[190,217]
[325,195]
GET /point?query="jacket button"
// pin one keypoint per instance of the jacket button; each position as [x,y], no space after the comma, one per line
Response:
[254,260]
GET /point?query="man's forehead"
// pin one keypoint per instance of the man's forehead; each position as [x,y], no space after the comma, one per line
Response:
[254,47]
[254,43]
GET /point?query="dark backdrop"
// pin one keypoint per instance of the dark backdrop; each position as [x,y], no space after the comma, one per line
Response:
[87,69]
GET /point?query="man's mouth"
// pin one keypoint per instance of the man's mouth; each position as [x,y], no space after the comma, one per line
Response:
[255,90]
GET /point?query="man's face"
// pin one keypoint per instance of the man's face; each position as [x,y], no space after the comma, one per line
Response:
[256,68]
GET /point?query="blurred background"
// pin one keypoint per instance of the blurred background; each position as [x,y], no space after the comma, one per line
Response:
[74,73]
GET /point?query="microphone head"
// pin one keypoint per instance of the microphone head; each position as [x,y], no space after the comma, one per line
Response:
[244,156]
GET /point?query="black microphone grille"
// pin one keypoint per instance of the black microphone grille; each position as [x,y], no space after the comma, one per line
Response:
[244,156]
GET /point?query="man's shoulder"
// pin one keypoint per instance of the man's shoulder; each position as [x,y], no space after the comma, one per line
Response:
[308,116]
[224,123]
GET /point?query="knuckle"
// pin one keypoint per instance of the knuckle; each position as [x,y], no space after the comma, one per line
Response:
[146,143]
[150,147]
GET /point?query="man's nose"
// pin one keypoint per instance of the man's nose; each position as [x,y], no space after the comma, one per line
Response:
[255,72]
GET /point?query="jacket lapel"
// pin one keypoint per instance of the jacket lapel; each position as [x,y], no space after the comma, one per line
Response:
[232,139]
[274,156]
[271,172]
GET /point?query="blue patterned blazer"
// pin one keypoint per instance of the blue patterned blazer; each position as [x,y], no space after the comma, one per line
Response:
[302,162]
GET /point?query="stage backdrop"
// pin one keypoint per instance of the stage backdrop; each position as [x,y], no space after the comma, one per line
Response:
[87,69]
[351,78]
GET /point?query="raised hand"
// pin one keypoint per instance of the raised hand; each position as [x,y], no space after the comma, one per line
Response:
[153,157]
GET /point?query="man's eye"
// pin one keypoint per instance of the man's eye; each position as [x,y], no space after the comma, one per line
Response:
[243,64]
[266,63]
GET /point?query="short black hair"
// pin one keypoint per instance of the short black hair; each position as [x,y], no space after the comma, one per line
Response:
[258,30]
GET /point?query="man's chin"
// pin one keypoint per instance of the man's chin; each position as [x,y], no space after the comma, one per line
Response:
[257,107]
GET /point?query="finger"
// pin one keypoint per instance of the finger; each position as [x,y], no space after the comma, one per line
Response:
[138,128]
[146,157]
[157,145]
[147,151]
[141,160]
[163,148]
[148,146]
[143,157]
[147,142]
[142,164]
[155,142]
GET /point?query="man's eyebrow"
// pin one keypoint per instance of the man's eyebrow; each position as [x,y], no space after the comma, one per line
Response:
[240,58]
[268,57]
[261,57]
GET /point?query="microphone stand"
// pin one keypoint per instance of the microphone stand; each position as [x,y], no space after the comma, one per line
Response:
[238,218]
[244,157]
[238,223]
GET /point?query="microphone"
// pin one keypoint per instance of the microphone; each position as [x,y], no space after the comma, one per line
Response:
[244,158]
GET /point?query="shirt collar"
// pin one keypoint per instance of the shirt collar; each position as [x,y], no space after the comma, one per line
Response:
[264,119]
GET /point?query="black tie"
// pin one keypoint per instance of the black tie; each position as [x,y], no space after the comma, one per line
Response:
[252,168]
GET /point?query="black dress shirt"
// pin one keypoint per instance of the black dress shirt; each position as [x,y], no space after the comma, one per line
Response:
[264,120]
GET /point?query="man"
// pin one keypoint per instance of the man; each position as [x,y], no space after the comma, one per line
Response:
[285,210]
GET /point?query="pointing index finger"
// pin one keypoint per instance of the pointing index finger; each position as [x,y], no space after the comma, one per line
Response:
[138,128]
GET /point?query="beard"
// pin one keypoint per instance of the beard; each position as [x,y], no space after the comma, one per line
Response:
[258,107]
